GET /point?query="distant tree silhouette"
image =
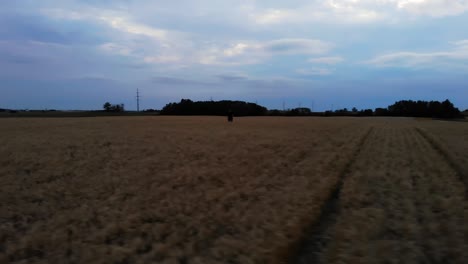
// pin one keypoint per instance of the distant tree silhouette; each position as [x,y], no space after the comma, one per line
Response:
[366,112]
[299,111]
[420,108]
[436,109]
[381,112]
[275,112]
[189,107]
[151,110]
[343,112]
[108,107]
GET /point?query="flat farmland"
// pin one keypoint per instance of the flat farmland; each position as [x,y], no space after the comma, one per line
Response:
[259,190]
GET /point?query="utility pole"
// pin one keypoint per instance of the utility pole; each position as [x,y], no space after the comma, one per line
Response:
[312,106]
[138,100]
[284,105]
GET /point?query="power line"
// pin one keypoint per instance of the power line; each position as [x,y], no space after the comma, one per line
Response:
[138,100]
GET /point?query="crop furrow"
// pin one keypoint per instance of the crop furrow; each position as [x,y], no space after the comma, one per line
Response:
[315,239]
[446,156]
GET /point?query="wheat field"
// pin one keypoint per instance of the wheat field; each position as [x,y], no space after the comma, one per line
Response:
[202,190]
[406,203]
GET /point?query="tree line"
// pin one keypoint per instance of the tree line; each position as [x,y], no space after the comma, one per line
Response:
[443,109]
[435,109]
[189,107]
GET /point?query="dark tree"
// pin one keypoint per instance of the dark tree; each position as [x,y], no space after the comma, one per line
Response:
[381,112]
[366,112]
[107,107]
[299,111]
[436,109]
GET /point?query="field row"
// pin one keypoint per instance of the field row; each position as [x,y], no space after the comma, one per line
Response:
[401,203]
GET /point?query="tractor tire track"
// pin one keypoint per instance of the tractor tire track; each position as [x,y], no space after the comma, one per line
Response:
[314,240]
[404,180]
[446,156]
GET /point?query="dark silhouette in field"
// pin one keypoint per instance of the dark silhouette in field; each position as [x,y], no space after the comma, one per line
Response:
[230,116]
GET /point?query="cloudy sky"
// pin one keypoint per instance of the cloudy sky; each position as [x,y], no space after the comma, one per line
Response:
[77,54]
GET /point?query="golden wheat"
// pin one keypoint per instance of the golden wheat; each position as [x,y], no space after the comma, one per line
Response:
[201,190]
[401,203]
[165,189]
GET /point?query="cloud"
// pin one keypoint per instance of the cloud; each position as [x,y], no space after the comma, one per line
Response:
[273,16]
[357,11]
[458,54]
[137,41]
[237,45]
[34,50]
[124,25]
[435,8]
[143,42]
[253,52]
[164,80]
[162,59]
[115,48]
[114,19]
[319,11]
[326,60]
[16,58]
[237,49]
[155,45]
[297,46]
[280,47]
[314,71]
[232,78]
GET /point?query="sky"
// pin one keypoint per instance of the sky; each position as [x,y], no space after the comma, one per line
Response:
[329,54]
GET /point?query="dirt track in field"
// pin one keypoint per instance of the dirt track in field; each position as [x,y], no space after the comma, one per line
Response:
[402,200]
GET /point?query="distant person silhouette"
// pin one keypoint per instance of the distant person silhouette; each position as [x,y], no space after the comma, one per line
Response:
[230,116]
